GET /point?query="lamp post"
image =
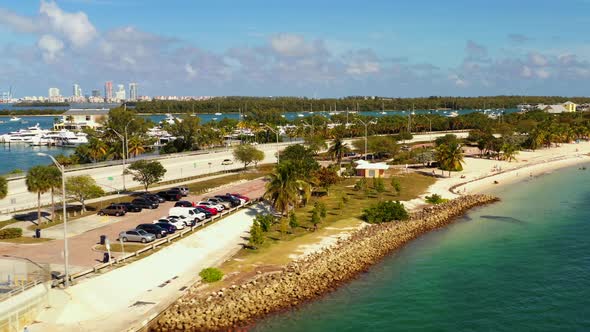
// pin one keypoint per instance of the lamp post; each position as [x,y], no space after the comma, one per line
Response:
[366,135]
[63,200]
[125,148]
[277,133]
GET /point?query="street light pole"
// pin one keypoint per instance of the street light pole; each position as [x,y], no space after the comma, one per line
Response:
[366,135]
[63,200]
[277,133]
[123,144]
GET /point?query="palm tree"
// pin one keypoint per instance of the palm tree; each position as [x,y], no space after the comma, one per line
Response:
[337,150]
[135,146]
[3,187]
[450,157]
[54,180]
[285,190]
[97,149]
[39,181]
[509,152]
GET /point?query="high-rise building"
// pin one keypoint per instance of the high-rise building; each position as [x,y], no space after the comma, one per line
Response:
[95,93]
[77,91]
[120,95]
[108,90]
[53,92]
[133,91]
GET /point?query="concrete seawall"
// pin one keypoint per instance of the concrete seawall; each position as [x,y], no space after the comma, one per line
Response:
[306,279]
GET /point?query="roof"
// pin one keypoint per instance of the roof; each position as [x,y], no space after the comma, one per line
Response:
[367,165]
[87,111]
[568,103]
[555,109]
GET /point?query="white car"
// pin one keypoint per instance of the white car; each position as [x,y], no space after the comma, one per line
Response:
[189,213]
[179,224]
[214,200]
[212,205]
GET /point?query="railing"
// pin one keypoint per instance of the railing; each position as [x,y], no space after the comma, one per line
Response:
[20,289]
[154,245]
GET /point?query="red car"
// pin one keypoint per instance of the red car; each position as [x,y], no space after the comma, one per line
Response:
[241,196]
[206,208]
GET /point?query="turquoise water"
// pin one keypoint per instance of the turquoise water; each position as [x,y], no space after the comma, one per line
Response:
[519,265]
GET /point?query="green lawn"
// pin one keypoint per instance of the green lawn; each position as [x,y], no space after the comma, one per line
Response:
[25,240]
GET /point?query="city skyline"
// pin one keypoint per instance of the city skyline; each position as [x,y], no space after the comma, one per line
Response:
[302,49]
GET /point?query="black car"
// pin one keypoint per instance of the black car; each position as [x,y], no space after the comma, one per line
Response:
[183,204]
[171,195]
[166,226]
[158,231]
[154,198]
[206,212]
[131,207]
[145,203]
[228,198]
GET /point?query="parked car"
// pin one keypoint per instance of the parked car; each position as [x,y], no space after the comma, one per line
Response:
[171,229]
[188,222]
[211,210]
[154,198]
[137,235]
[145,203]
[207,212]
[183,204]
[179,224]
[130,207]
[171,195]
[183,190]
[209,204]
[215,200]
[228,198]
[158,231]
[113,210]
[240,196]
[227,162]
[187,212]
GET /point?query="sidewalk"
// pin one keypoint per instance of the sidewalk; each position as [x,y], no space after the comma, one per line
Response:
[127,296]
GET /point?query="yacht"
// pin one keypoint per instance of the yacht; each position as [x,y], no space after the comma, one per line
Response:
[23,135]
[218,114]
[300,115]
[170,119]
[68,138]
[14,118]
[452,114]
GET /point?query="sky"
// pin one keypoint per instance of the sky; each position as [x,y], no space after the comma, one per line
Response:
[313,48]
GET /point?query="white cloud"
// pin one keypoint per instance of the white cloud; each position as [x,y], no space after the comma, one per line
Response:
[538,59]
[542,73]
[292,45]
[17,22]
[190,70]
[50,47]
[73,26]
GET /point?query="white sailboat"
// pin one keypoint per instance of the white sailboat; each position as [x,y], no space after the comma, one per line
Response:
[14,118]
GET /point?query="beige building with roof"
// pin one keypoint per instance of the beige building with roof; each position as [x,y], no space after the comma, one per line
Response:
[80,119]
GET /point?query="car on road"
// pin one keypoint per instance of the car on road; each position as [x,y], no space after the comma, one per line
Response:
[154,197]
[183,204]
[209,204]
[215,200]
[136,235]
[211,210]
[171,229]
[183,190]
[171,195]
[145,203]
[240,196]
[112,211]
[178,224]
[227,162]
[207,212]
[234,201]
[129,207]
[158,231]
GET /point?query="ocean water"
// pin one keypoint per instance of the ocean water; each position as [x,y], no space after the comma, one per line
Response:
[522,264]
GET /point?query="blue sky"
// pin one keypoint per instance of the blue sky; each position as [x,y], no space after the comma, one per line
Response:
[304,48]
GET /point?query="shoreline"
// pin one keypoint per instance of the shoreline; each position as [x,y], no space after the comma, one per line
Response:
[310,277]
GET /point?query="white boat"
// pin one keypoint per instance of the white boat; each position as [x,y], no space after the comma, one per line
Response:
[70,139]
[170,119]
[23,135]
[300,115]
[218,114]
[14,118]
[383,112]
[452,114]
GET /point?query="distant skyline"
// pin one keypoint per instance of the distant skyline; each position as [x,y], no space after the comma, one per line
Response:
[307,48]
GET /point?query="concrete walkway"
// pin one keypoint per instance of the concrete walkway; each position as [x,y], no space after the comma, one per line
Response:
[130,295]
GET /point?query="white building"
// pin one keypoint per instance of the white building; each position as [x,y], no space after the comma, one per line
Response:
[79,119]
[54,93]
[120,94]
[133,91]
[77,90]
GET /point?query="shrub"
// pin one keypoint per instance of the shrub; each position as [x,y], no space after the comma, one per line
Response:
[256,235]
[293,222]
[321,208]
[265,221]
[396,186]
[385,212]
[378,185]
[211,274]
[11,233]
[436,199]
[315,219]
[361,184]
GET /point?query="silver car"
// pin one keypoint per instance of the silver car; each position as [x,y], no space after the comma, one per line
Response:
[225,204]
[183,190]
[137,235]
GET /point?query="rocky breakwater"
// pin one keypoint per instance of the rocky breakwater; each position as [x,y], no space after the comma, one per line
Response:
[308,278]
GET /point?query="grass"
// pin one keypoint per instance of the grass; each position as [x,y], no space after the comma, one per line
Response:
[7,222]
[279,249]
[25,240]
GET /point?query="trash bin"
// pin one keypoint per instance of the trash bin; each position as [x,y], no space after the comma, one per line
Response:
[38,233]
[106,258]
[103,239]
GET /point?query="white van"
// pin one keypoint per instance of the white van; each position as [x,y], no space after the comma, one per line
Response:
[187,212]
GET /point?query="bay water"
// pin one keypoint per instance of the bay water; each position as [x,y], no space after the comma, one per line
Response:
[522,264]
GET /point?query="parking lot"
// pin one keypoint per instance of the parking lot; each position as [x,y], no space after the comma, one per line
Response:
[82,255]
